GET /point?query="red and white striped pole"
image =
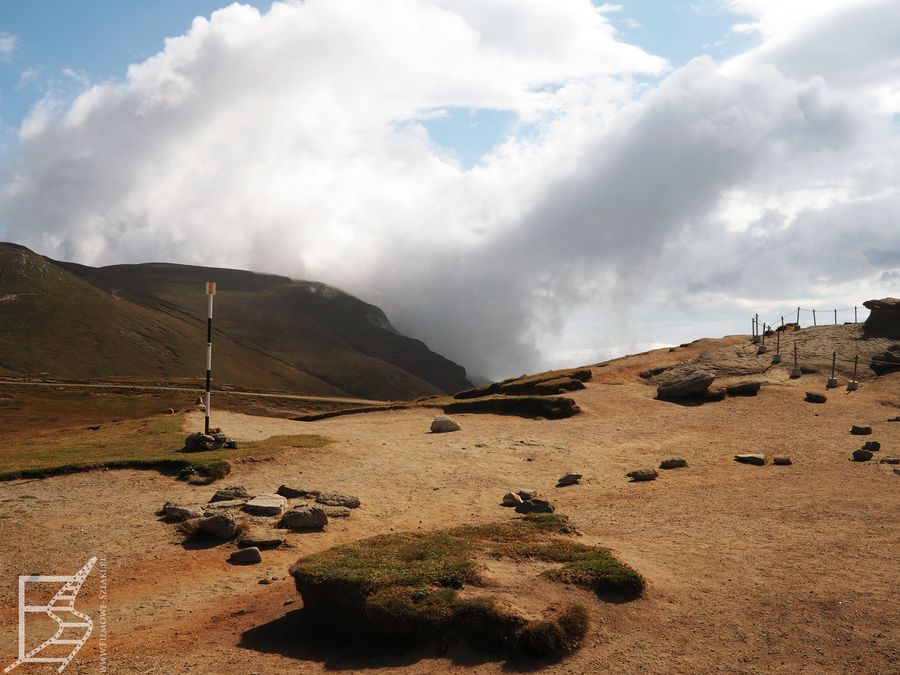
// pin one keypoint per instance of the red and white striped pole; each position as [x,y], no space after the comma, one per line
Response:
[210,293]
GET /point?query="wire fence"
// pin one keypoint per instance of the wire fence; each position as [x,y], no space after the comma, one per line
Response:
[769,338]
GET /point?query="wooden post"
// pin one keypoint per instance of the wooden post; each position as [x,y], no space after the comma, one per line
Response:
[210,294]
[853,385]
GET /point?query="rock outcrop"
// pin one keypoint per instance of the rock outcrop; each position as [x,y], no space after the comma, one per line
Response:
[884,319]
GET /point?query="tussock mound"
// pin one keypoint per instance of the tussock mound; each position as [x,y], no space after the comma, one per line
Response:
[415,587]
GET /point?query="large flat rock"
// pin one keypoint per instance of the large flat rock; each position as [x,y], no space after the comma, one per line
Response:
[266,505]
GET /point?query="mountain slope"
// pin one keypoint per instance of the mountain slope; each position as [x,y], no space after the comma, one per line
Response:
[149,320]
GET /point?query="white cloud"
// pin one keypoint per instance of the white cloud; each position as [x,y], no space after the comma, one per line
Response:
[8,44]
[853,44]
[292,142]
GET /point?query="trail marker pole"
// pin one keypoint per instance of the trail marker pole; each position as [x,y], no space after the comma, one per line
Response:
[835,317]
[776,357]
[855,320]
[795,371]
[798,317]
[210,294]
[832,381]
[853,385]
[762,343]
[814,318]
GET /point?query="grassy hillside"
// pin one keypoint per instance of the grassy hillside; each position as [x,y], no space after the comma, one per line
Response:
[72,321]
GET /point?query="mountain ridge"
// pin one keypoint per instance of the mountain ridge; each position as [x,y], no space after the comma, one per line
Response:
[270,331]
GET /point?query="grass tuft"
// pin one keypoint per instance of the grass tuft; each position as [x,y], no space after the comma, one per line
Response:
[403,587]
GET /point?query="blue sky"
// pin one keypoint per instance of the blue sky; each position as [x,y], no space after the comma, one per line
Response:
[64,45]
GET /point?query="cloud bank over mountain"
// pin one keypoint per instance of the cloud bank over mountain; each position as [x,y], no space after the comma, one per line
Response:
[625,193]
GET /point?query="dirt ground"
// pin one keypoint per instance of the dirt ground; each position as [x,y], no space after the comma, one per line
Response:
[774,569]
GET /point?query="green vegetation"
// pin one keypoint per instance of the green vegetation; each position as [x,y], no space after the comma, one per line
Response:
[271,333]
[405,587]
[151,443]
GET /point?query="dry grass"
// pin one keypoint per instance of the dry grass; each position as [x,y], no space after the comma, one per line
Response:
[152,442]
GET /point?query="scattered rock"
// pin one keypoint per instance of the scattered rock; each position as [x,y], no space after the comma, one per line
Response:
[640,475]
[304,517]
[743,389]
[246,556]
[231,444]
[219,525]
[260,539]
[895,419]
[265,505]
[889,460]
[511,499]
[585,374]
[673,463]
[652,372]
[813,397]
[527,494]
[885,362]
[570,478]
[781,460]
[229,493]
[693,384]
[535,506]
[884,318]
[897,470]
[809,370]
[227,504]
[872,446]
[198,442]
[337,499]
[171,411]
[336,511]
[442,424]
[756,460]
[861,455]
[717,394]
[857,430]
[295,492]
[178,514]
[214,440]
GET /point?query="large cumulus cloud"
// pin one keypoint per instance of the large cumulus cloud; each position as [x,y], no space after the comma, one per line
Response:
[293,142]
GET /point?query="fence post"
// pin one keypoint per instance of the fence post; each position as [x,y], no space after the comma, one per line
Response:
[835,317]
[855,320]
[814,317]
[832,381]
[853,385]
[776,357]
[798,317]
[795,372]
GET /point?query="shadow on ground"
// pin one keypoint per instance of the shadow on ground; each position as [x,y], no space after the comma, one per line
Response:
[297,636]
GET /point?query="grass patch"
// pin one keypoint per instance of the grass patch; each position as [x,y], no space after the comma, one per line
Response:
[403,588]
[151,443]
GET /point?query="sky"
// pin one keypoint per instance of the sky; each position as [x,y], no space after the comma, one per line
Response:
[523,184]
